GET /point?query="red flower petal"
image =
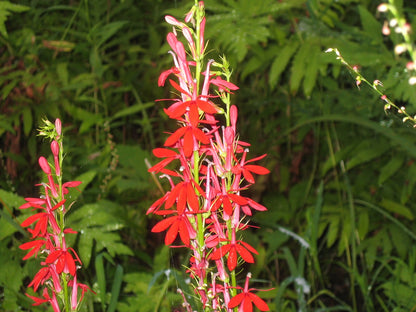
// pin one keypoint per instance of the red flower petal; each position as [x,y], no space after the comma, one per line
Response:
[260,303]
[232,258]
[244,253]
[174,137]
[236,300]
[164,224]
[172,232]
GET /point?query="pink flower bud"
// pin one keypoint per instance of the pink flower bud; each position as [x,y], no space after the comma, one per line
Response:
[386,29]
[44,165]
[173,21]
[55,148]
[74,295]
[58,126]
[190,14]
[55,152]
[233,116]
[201,33]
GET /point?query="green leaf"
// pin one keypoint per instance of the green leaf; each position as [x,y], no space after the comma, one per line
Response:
[62,71]
[363,224]
[100,34]
[85,178]
[132,110]
[397,208]
[366,151]
[333,231]
[5,10]
[297,71]
[311,72]
[27,120]
[371,25]
[281,61]
[400,240]
[100,272]
[115,289]
[390,168]
[97,223]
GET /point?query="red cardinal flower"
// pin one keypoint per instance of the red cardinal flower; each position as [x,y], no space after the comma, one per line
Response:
[177,225]
[36,246]
[233,249]
[63,260]
[246,299]
[191,136]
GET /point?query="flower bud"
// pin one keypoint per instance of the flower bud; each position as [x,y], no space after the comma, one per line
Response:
[233,116]
[383,8]
[173,21]
[55,148]
[44,165]
[58,126]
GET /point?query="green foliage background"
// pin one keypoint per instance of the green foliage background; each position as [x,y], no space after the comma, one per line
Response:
[340,232]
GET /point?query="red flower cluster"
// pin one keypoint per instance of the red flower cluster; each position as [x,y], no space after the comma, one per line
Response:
[205,206]
[60,263]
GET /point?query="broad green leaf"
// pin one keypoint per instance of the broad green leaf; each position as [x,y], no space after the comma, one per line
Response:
[371,25]
[297,71]
[407,193]
[96,224]
[6,7]
[281,61]
[401,241]
[101,33]
[27,120]
[333,231]
[111,241]
[311,71]
[132,110]
[115,289]
[86,179]
[363,224]
[365,152]
[62,71]
[397,208]
[101,280]
[390,168]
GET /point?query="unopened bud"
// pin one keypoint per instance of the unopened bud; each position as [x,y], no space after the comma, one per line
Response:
[55,148]
[399,49]
[58,126]
[412,80]
[383,8]
[43,163]
[386,29]
[393,22]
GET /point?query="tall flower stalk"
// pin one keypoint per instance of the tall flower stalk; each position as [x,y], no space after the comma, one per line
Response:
[208,170]
[58,275]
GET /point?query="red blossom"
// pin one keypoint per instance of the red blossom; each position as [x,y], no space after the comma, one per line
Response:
[191,136]
[35,245]
[246,299]
[178,224]
[63,260]
[233,250]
